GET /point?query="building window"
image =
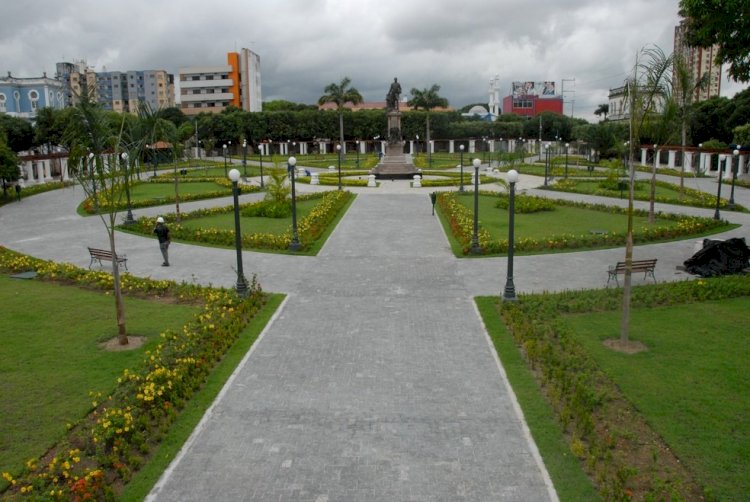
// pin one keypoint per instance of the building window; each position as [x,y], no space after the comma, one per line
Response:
[2,102]
[34,98]
[209,77]
[195,77]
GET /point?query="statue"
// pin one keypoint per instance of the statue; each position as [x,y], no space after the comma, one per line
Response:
[394,94]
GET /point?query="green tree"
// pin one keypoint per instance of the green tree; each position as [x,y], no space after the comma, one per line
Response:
[8,163]
[340,94]
[95,162]
[18,132]
[427,99]
[742,135]
[725,23]
[602,109]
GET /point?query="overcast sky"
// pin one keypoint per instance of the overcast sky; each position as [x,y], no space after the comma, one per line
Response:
[306,44]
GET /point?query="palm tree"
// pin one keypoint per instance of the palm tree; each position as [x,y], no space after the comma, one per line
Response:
[427,99]
[341,94]
[602,109]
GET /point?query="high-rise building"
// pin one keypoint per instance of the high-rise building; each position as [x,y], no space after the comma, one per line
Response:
[701,63]
[211,89]
[118,91]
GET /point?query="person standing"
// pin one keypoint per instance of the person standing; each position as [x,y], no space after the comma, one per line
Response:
[18,192]
[162,232]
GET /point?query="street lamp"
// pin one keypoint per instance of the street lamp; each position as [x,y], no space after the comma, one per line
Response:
[357,154]
[260,151]
[417,148]
[461,165]
[230,151]
[224,148]
[546,163]
[735,165]
[244,156]
[93,176]
[717,215]
[520,149]
[295,244]
[567,146]
[338,151]
[475,248]
[129,217]
[241,287]
[510,289]
[701,165]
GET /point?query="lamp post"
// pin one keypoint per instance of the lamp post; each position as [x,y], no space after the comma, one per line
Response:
[241,287]
[260,151]
[461,166]
[417,148]
[510,289]
[546,163]
[129,216]
[567,146]
[295,244]
[717,215]
[224,149]
[735,165]
[244,156]
[520,149]
[357,154]
[230,151]
[338,154]
[701,166]
[93,176]
[475,248]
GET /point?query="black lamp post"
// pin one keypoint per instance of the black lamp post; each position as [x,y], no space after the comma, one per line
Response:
[244,156]
[230,151]
[416,150]
[260,151]
[295,244]
[735,165]
[461,166]
[546,163]
[224,149]
[129,216]
[520,150]
[357,154]
[475,248]
[717,215]
[92,171]
[338,152]
[241,287]
[510,289]
[567,147]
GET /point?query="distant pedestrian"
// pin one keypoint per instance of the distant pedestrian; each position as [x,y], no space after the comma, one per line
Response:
[18,192]
[162,232]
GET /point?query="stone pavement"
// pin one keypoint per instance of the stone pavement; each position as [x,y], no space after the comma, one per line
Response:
[376,379]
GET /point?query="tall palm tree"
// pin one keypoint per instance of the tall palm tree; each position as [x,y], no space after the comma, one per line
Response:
[426,100]
[341,94]
[602,109]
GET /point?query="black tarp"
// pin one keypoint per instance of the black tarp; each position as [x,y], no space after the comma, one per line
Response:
[719,258]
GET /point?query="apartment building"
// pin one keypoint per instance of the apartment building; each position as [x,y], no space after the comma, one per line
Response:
[700,62]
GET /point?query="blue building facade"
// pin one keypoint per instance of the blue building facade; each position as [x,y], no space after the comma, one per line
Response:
[24,97]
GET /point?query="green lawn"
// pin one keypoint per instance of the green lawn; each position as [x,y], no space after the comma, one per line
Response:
[149,191]
[255,224]
[50,358]
[691,385]
[545,224]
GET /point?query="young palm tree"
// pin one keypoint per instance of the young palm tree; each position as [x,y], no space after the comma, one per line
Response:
[340,94]
[602,109]
[426,100]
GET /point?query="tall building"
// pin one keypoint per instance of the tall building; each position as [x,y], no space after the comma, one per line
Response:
[117,91]
[211,89]
[700,62]
[24,97]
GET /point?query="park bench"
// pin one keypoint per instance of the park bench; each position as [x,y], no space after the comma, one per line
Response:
[103,254]
[645,266]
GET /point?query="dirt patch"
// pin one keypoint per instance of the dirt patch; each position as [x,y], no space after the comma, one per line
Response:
[113,344]
[627,347]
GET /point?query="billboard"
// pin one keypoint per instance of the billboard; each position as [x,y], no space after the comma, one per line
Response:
[544,89]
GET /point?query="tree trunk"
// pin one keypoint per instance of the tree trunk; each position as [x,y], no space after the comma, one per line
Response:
[341,129]
[683,140]
[626,291]
[652,197]
[428,144]
[122,335]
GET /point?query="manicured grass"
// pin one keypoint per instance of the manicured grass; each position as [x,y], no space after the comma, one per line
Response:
[183,426]
[692,384]
[217,171]
[544,224]
[570,482]
[149,191]
[254,224]
[51,359]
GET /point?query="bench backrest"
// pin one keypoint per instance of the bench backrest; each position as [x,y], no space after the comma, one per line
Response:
[621,265]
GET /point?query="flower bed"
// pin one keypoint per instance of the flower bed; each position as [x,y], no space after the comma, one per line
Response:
[114,439]
[461,222]
[309,228]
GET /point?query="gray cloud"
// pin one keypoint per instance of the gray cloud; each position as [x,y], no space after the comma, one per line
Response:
[306,44]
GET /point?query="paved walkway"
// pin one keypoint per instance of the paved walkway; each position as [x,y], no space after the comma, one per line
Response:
[376,379]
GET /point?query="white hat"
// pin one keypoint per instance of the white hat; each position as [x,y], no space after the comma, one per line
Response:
[159,220]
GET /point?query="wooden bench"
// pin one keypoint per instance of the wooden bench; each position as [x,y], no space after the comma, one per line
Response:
[645,266]
[103,254]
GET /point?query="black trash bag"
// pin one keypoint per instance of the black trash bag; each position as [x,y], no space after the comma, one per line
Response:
[719,258]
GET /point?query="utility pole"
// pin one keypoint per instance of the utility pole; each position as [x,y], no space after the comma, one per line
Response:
[573,101]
